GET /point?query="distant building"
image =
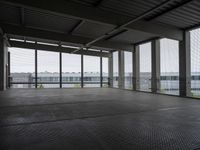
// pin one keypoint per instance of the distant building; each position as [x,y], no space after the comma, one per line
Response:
[169,82]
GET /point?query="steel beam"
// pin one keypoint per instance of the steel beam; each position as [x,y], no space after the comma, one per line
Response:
[41,34]
[92,14]
[116,29]
[76,27]
[55,48]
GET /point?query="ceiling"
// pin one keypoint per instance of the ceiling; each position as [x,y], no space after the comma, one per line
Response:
[83,24]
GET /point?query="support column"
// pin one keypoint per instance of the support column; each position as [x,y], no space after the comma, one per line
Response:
[184,65]
[110,70]
[121,70]
[136,68]
[155,57]
[3,63]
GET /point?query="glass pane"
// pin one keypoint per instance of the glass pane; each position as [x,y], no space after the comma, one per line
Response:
[105,71]
[195,62]
[48,69]
[128,67]
[22,67]
[115,69]
[169,63]
[145,67]
[91,71]
[71,70]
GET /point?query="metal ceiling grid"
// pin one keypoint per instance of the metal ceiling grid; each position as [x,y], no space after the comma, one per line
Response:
[172,5]
[185,16]
[129,7]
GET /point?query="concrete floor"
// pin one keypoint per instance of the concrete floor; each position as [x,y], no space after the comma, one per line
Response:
[97,119]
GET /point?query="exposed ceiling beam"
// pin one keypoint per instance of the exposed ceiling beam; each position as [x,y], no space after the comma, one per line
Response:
[169,10]
[83,12]
[79,40]
[115,30]
[55,48]
[77,26]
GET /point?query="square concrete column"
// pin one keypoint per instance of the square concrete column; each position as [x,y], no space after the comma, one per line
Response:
[121,69]
[3,63]
[136,68]
[155,67]
[184,65]
[110,70]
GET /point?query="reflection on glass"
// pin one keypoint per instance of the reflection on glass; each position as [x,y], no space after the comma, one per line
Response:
[169,66]
[48,70]
[71,70]
[128,70]
[145,67]
[22,67]
[115,69]
[91,76]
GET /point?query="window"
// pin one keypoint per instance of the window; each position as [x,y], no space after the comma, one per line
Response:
[48,69]
[128,70]
[71,70]
[145,67]
[115,69]
[195,62]
[91,76]
[22,66]
[105,71]
[169,63]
